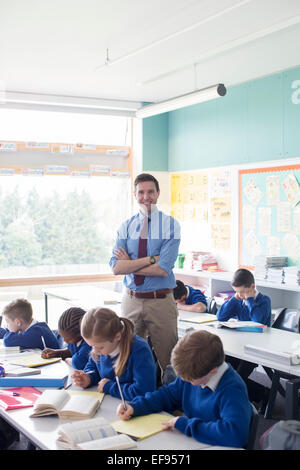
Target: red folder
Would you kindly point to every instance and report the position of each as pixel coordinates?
(25, 397)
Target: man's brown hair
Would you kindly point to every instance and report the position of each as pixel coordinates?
(19, 308)
(196, 354)
(143, 177)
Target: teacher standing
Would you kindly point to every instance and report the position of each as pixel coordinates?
(145, 252)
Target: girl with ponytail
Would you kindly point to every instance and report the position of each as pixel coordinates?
(116, 351)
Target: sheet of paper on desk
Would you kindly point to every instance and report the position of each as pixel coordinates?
(141, 427)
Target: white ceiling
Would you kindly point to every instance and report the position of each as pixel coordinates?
(157, 49)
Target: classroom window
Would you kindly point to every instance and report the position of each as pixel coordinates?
(56, 224)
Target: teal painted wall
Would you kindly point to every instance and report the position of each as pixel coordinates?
(255, 121)
(155, 143)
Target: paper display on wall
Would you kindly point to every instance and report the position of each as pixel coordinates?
(264, 221)
(220, 209)
(292, 246)
(252, 244)
(291, 188)
(249, 217)
(221, 183)
(273, 190)
(252, 192)
(284, 217)
(220, 237)
(273, 246)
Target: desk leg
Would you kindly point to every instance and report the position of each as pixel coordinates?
(46, 307)
(291, 399)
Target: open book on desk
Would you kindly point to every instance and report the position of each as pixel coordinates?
(92, 434)
(12, 370)
(66, 405)
(237, 325)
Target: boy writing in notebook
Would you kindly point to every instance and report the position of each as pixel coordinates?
(247, 304)
(211, 394)
(23, 330)
(188, 298)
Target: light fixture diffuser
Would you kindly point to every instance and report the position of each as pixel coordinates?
(189, 99)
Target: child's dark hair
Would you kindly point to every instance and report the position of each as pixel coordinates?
(70, 320)
(242, 277)
(104, 324)
(19, 308)
(179, 290)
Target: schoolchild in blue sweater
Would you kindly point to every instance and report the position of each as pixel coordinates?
(77, 352)
(247, 304)
(211, 394)
(188, 298)
(117, 351)
(23, 330)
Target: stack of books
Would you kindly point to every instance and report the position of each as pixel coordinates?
(270, 268)
(202, 260)
(291, 276)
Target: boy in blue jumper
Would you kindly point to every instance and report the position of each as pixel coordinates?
(188, 298)
(23, 330)
(77, 351)
(247, 304)
(211, 394)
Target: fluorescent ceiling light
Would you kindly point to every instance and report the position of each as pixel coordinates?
(189, 99)
(68, 103)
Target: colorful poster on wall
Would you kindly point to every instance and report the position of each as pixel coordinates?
(220, 209)
(220, 237)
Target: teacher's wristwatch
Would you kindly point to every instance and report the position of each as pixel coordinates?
(152, 260)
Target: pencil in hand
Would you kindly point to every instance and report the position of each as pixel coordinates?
(121, 394)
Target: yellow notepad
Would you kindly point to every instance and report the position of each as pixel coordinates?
(141, 427)
(33, 360)
(206, 317)
(98, 395)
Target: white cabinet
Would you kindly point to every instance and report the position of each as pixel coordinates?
(281, 295)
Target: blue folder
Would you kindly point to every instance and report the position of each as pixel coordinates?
(33, 381)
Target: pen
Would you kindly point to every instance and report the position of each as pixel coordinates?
(43, 341)
(122, 398)
(6, 392)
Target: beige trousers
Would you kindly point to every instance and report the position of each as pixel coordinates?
(158, 317)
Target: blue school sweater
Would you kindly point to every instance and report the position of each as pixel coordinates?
(80, 354)
(138, 377)
(253, 309)
(195, 296)
(30, 338)
(220, 417)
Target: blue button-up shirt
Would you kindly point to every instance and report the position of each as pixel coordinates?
(163, 240)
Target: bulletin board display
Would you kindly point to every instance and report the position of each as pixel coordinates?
(201, 202)
(269, 214)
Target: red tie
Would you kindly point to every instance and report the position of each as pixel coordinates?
(142, 251)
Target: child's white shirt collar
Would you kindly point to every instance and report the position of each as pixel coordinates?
(115, 352)
(215, 379)
(31, 324)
